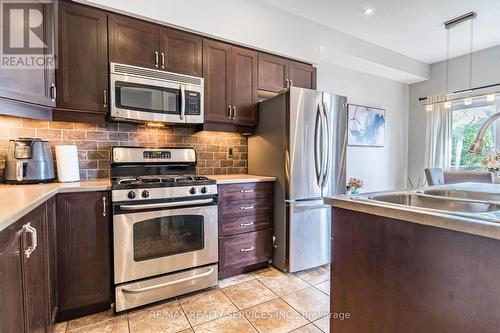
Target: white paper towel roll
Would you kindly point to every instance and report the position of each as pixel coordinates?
(67, 163)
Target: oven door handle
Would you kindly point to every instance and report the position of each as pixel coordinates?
(167, 284)
(167, 204)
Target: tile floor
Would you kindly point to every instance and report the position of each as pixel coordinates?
(265, 301)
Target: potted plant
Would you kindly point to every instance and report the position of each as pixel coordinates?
(492, 163)
(353, 185)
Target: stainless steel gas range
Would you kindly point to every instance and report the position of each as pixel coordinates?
(164, 225)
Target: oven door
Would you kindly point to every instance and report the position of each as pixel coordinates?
(150, 243)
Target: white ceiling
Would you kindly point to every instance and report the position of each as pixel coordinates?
(411, 27)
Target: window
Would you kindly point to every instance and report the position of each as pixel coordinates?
(466, 121)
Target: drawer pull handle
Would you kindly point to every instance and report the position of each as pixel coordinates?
(246, 224)
(246, 191)
(246, 207)
(247, 250)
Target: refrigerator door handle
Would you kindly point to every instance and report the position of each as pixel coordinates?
(328, 150)
(318, 159)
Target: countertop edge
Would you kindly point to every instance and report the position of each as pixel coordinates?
(427, 218)
(238, 179)
(52, 190)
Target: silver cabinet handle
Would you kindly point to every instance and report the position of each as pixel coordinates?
(162, 60)
(105, 98)
(229, 111)
(234, 112)
(156, 59)
(53, 92)
(246, 191)
(246, 224)
(28, 229)
(246, 207)
(104, 207)
(166, 284)
(247, 250)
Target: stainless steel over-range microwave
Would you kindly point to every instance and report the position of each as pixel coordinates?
(147, 95)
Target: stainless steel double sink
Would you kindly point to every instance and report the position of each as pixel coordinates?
(480, 205)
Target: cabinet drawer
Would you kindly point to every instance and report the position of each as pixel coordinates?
(244, 191)
(234, 226)
(255, 207)
(245, 249)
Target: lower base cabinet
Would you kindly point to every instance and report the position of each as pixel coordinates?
(83, 254)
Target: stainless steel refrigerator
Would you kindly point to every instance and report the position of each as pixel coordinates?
(301, 139)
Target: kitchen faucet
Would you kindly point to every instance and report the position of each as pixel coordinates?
(478, 145)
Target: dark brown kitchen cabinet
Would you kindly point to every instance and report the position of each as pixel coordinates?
(230, 75)
(133, 42)
(83, 254)
(82, 73)
(181, 52)
(30, 85)
(277, 73)
(245, 227)
(25, 274)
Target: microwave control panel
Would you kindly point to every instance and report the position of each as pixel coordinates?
(193, 103)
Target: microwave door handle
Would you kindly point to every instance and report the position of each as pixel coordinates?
(167, 204)
(183, 101)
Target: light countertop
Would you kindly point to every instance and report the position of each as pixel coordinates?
(235, 179)
(439, 219)
(18, 200)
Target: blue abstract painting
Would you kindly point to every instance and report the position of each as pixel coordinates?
(366, 126)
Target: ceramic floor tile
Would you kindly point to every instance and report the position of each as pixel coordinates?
(324, 287)
(189, 330)
(247, 294)
(89, 320)
(268, 271)
(60, 327)
(284, 283)
(314, 275)
(235, 322)
(274, 316)
(310, 302)
(168, 319)
(309, 328)
(114, 325)
(327, 266)
(323, 324)
(231, 281)
(207, 305)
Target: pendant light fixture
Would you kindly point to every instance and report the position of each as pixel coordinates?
(449, 25)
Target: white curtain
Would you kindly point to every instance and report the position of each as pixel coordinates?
(438, 134)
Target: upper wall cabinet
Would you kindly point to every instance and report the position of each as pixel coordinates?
(82, 73)
(133, 42)
(143, 44)
(30, 85)
(181, 52)
(277, 73)
(230, 75)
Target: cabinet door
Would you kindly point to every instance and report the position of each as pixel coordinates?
(302, 75)
(83, 250)
(133, 42)
(244, 86)
(82, 74)
(11, 287)
(218, 86)
(181, 52)
(32, 85)
(36, 273)
(273, 72)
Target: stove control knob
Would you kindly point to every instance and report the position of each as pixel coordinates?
(192, 190)
(145, 194)
(204, 190)
(131, 195)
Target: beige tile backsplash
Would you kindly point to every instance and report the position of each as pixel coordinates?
(94, 143)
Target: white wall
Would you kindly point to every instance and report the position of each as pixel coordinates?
(381, 168)
(486, 71)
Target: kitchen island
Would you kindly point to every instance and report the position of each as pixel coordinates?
(402, 268)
